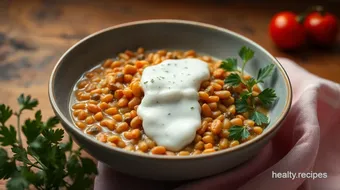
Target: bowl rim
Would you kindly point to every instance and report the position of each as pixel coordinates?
(71, 127)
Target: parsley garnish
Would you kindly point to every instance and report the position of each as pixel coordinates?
(264, 73)
(241, 105)
(233, 79)
(259, 118)
(246, 54)
(238, 132)
(246, 101)
(229, 64)
(46, 162)
(267, 96)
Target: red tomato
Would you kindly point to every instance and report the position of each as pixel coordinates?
(321, 29)
(286, 31)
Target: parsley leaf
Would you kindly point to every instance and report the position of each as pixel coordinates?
(38, 117)
(20, 154)
(267, 96)
(246, 54)
(241, 105)
(45, 163)
(26, 103)
(238, 132)
(233, 79)
(66, 146)
(17, 183)
(5, 113)
(251, 82)
(7, 169)
(38, 143)
(3, 156)
(259, 118)
(88, 166)
(51, 122)
(229, 64)
(264, 73)
(245, 95)
(31, 129)
(30, 176)
(73, 166)
(53, 136)
(8, 136)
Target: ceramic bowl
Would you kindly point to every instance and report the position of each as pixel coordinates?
(165, 34)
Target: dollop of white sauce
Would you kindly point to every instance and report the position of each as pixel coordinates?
(170, 109)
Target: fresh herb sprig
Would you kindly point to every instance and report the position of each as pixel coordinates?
(246, 100)
(46, 162)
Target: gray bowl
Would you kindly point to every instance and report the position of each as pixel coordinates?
(165, 34)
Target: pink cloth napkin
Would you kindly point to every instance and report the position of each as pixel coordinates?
(308, 141)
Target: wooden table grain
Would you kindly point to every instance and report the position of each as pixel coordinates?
(34, 34)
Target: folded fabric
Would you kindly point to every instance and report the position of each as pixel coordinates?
(307, 142)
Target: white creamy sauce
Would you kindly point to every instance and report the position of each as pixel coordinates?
(170, 108)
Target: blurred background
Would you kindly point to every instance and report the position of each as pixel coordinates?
(35, 33)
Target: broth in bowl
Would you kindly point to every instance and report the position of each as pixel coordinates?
(167, 103)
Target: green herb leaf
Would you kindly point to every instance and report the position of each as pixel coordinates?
(238, 132)
(8, 136)
(66, 146)
(20, 154)
(241, 105)
(38, 143)
(267, 96)
(251, 82)
(53, 136)
(3, 157)
(246, 54)
(51, 156)
(7, 169)
(31, 129)
(26, 103)
(30, 176)
(38, 117)
(245, 95)
(233, 79)
(229, 64)
(259, 118)
(73, 166)
(51, 122)
(5, 113)
(264, 73)
(17, 183)
(89, 166)
(48, 166)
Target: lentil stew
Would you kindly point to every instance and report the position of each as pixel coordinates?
(107, 98)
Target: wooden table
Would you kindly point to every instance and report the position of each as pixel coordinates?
(34, 34)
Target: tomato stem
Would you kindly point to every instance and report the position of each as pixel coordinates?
(318, 8)
(301, 18)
